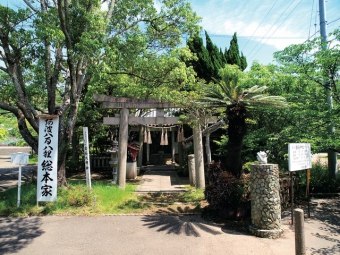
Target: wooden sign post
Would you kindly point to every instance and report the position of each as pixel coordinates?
(299, 158)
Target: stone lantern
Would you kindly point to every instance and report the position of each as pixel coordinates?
(114, 160)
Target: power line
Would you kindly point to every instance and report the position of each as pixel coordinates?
(271, 27)
(276, 29)
(260, 24)
(310, 22)
(247, 36)
(333, 21)
(315, 24)
(257, 37)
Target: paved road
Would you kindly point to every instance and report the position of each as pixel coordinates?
(9, 174)
(162, 234)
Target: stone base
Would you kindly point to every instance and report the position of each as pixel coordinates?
(271, 233)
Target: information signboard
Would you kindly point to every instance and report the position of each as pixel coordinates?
(299, 156)
(19, 158)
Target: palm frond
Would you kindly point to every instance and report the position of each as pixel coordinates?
(228, 91)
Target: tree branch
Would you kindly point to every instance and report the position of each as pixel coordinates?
(63, 22)
(31, 6)
(109, 13)
(131, 74)
(127, 28)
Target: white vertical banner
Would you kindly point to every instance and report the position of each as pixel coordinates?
(47, 176)
(87, 157)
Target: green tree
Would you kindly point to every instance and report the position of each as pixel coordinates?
(202, 64)
(320, 68)
(210, 59)
(237, 100)
(54, 52)
(233, 54)
(215, 55)
(304, 121)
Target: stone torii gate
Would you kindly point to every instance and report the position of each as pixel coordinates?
(124, 120)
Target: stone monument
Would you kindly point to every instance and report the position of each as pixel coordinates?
(265, 200)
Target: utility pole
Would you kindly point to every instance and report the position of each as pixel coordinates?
(332, 155)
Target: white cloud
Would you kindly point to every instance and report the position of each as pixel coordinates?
(157, 5)
(280, 26)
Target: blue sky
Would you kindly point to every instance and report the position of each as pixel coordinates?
(266, 26)
(263, 27)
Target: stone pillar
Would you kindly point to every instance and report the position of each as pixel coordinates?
(122, 151)
(265, 201)
(191, 166)
(199, 161)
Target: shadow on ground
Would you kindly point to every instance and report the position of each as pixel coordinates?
(327, 211)
(180, 225)
(17, 233)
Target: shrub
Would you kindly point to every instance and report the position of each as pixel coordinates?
(226, 193)
(79, 195)
(319, 179)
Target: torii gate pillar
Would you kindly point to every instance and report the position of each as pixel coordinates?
(125, 104)
(122, 152)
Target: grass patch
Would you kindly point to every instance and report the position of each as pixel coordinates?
(103, 198)
(33, 159)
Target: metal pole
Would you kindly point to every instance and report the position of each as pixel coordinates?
(19, 186)
(332, 156)
(323, 27)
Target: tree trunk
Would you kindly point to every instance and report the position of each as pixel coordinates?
(62, 166)
(26, 134)
(65, 138)
(236, 132)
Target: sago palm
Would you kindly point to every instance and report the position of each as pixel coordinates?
(236, 102)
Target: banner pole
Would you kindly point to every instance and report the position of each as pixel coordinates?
(19, 186)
